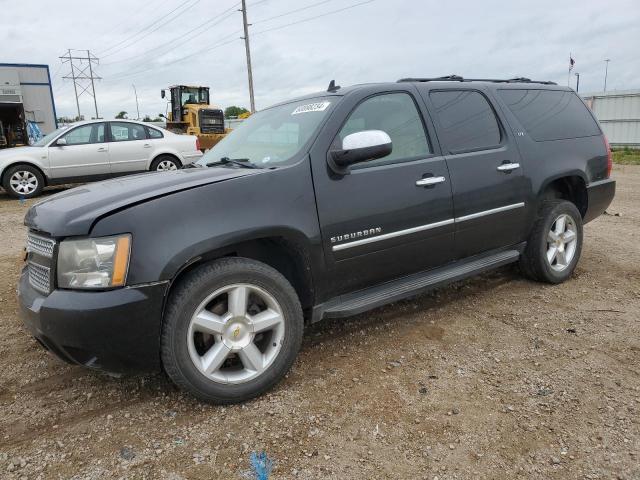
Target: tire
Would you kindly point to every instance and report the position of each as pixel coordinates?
(185, 344)
(23, 181)
(165, 162)
(534, 262)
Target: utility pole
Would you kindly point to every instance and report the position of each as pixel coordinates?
(82, 76)
(248, 50)
(137, 107)
(577, 82)
(606, 71)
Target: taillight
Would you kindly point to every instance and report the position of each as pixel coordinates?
(609, 156)
(198, 143)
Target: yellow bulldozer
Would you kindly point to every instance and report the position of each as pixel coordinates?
(192, 114)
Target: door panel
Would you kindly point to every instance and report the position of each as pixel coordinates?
(129, 149)
(489, 188)
(377, 223)
(86, 153)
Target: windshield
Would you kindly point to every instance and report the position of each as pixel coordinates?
(47, 138)
(194, 95)
(272, 137)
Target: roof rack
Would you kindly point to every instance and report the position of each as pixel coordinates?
(458, 78)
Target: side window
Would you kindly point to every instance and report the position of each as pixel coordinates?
(466, 120)
(124, 131)
(153, 133)
(92, 133)
(550, 114)
(397, 115)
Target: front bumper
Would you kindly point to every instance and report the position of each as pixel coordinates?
(117, 331)
(600, 194)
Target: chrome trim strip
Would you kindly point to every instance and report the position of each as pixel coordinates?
(428, 226)
(398, 233)
(471, 216)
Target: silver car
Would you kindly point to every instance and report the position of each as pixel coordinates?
(93, 150)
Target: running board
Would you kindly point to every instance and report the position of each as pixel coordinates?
(367, 299)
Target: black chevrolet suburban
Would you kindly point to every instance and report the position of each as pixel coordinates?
(319, 207)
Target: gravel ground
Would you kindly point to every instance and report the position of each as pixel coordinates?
(495, 377)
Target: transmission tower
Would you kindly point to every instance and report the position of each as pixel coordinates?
(82, 75)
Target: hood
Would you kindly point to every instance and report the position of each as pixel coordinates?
(13, 152)
(74, 211)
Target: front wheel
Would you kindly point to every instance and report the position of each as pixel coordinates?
(23, 181)
(232, 330)
(555, 244)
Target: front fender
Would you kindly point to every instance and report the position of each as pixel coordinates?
(42, 166)
(172, 231)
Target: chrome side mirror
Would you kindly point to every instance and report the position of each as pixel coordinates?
(360, 147)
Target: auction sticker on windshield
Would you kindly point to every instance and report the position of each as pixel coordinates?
(311, 107)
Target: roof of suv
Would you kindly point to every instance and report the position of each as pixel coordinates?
(449, 81)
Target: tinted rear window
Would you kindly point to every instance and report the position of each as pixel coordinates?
(466, 120)
(550, 114)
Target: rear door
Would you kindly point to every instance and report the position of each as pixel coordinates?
(378, 222)
(129, 150)
(489, 188)
(86, 154)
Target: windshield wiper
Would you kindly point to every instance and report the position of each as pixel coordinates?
(192, 165)
(241, 162)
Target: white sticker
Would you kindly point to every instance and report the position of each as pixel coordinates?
(311, 107)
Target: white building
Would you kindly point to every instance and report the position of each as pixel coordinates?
(25, 95)
(618, 112)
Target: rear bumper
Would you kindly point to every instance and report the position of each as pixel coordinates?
(190, 157)
(600, 194)
(117, 331)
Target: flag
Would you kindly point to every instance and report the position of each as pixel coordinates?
(571, 62)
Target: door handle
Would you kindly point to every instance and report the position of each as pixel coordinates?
(146, 145)
(102, 149)
(507, 167)
(428, 181)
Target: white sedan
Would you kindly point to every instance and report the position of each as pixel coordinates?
(93, 150)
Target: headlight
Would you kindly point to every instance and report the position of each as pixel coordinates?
(94, 262)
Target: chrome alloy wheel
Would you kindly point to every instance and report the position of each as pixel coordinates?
(23, 182)
(165, 165)
(562, 241)
(235, 333)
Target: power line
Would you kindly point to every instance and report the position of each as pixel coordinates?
(291, 12)
(221, 42)
(133, 15)
(155, 49)
(149, 26)
(125, 74)
(308, 19)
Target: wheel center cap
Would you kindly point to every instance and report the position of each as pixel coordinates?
(238, 333)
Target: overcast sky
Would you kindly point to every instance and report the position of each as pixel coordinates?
(141, 42)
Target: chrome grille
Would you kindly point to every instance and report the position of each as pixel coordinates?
(43, 246)
(40, 277)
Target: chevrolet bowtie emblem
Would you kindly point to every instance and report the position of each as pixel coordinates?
(236, 332)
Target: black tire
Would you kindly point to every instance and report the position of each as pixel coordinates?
(31, 172)
(191, 292)
(163, 159)
(533, 261)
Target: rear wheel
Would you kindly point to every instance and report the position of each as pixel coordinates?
(555, 244)
(23, 181)
(232, 330)
(164, 163)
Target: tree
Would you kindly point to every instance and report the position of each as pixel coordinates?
(233, 111)
(122, 115)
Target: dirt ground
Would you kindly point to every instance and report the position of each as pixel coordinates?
(495, 377)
